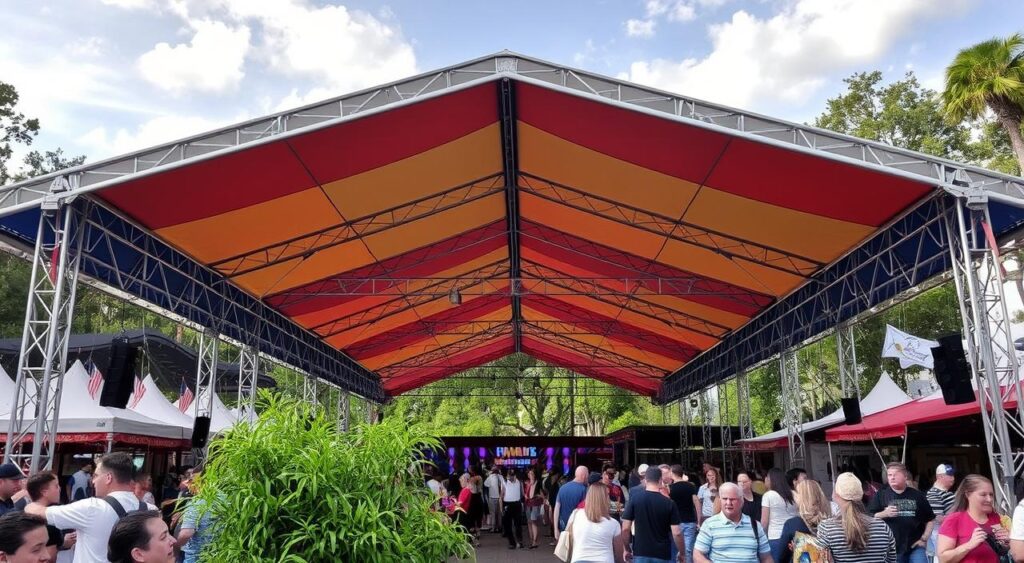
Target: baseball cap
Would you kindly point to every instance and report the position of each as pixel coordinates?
(642, 469)
(594, 478)
(945, 469)
(848, 487)
(10, 471)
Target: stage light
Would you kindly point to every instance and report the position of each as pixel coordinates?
(694, 403)
(455, 297)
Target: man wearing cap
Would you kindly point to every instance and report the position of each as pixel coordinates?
(569, 496)
(940, 498)
(11, 481)
(638, 487)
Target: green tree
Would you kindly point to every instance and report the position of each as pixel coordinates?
(15, 129)
(989, 76)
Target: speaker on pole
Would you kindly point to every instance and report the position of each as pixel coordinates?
(851, 410)
(200, 432)
(952, 371)
(119, 379)
(776, 425)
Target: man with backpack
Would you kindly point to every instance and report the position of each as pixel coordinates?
(731, 535)
(94, 518)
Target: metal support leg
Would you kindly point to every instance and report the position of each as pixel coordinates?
(723, 426)
(43, 357)
(684, 433)
(705, 424)
(371, 413)
(979, 284)
(345, 408)
(745, 421)
(248, 371)
(791, 408)
(206, 380)
(849, 377)
(309, 390)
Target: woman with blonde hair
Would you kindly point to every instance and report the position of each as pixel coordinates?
(596, 537)
(972, 533)
(461, 508)
(854, 536)
(813, 508)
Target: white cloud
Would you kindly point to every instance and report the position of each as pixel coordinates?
(211, 62)
(682, 12)
(789, 56)
(677, 11)
(102, 143)
(640, 28)
(87, 47)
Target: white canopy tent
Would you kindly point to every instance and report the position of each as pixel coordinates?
(885, 395)
(220, 419)
(154, 404)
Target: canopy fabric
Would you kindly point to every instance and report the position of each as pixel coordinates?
(220, 419)
(153, 404)
(893, 423)
(883, 396)
(418, 194)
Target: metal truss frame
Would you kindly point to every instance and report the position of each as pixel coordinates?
(707, 439)
(792, 411)
(684, 433)
(979, 284)
(344, 410)
(641, 369)
(248, 372)
(508, 65)
(849, 374)
(510, 162)
(910, 251)
(129, 259)
(725, 428)
(39, 382)
(310, 390)
(438, 357)
(308, 244)
(206, 382)
(720, 243)
(744, 419)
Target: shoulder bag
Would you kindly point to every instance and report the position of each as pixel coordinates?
(563, 550)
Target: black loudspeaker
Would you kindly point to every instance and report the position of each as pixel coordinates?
(952, 371)
(776, 425)
(851, 410)
(119, 379)
(200, 431)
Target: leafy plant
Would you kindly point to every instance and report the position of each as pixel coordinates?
(293, 489)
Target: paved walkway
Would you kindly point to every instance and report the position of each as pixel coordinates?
(494, 549)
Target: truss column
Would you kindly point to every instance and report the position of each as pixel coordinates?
(979, 284)
(371, 412)
(707, 440)
(48, 314)
(343, 410)
(248, 372)
(684, 433)
(792, 411)
(309, 390)
(723, 426)
(744, 419)
(206, 380)
(849, 376)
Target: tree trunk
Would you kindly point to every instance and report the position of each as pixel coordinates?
(1009, 116)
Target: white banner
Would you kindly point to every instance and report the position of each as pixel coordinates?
(908, 349)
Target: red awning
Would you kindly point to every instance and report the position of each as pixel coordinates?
(893, 423)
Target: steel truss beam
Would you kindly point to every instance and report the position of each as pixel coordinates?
(35, 407)
(803, 138)
(707, 439)
(676, 229)
(908, 252)
(206, 382)
(745, 421)
(642, 369)
(725, 428)
(685, 422)
(438, 357)
(130, 260)
(344, 410)
(443, 287)
(792, 410)
(248, 372)
(979, 283)
(849, 375)
(309, 244)
(510, 161)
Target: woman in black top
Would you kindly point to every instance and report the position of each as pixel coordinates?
(751, 500)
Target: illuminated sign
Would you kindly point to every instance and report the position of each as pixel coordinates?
(509, 456)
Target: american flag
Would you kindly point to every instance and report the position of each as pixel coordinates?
(95, 379)
(186, 397)
(140, 390)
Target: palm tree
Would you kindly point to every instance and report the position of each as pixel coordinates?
(989, 75)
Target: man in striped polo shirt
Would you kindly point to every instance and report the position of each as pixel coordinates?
(730, 536)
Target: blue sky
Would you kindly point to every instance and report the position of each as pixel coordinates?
(110, 76)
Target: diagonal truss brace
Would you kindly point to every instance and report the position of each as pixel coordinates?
(248, 372)
(206, 380)
(792, 412)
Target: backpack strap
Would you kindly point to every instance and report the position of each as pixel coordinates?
(121, 513)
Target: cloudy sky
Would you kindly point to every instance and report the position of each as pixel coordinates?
(109, 76)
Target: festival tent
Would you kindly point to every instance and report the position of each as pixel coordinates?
(894, 422)
(155, 405)
(220, 420)
(885, 395)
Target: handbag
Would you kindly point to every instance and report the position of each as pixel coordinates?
(563, 549)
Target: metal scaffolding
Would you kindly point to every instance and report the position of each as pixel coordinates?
(792, 411)
(849, 376)
(724, 427)
(310, 387)
(684, 432)
(979, 284)
(344, 411)
(43, 359)
(206, 381)
(707, 440)
(744, 419)
(248, 373)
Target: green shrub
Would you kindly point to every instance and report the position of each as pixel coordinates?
(293, 489)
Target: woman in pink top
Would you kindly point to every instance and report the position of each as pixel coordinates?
(972, 533)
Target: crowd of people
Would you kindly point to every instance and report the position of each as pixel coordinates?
(105, 512)
(662, 514)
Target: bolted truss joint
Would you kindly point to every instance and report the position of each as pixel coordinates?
(791, 406)
(248, 374)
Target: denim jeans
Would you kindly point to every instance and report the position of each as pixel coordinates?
(916, 555)
(650, 560)
(689, 530)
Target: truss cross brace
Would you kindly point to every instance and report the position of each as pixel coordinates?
(745, 421)
(792, 411)
(248, 372)
(44, 344)
(206, 380)
(684, 432)
(705, 424)
(723, 425)
(979, 284)
(310, 386)
(849, 377)
(344, 411)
